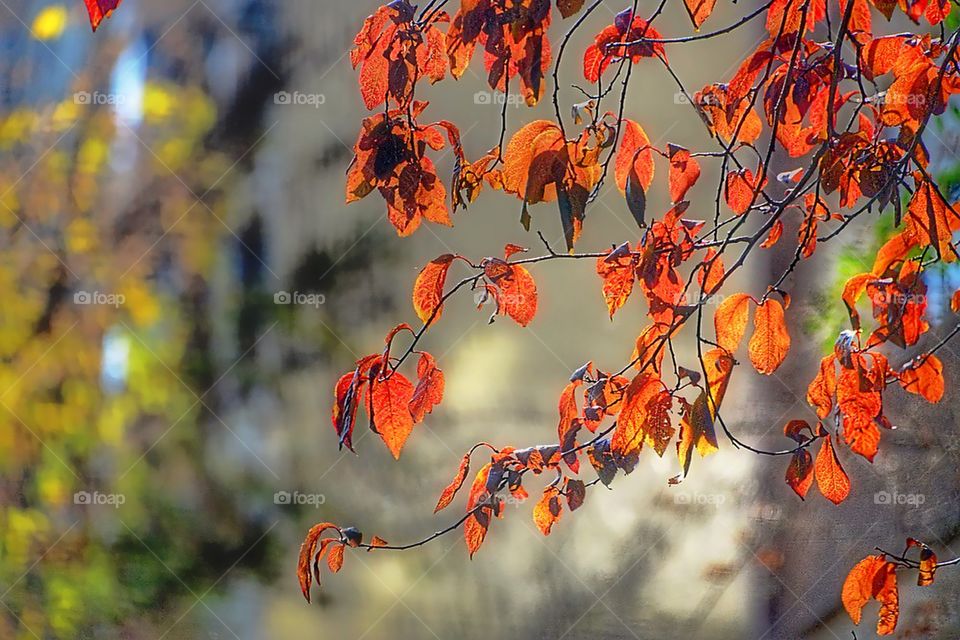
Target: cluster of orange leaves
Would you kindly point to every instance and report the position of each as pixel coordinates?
(875, 578)
(392, 402)
(789, 84)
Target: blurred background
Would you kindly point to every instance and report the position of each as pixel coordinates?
(183, 285)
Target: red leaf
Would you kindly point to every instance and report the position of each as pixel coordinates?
(634, 156)
(741, 190)
(100, 9)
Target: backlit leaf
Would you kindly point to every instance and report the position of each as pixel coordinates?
(450, 492)
(771, 341)
(730, 320)
(873, 578)
(392, 420)
(428, 288)
(832, 480)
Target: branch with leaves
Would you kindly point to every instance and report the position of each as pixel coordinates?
(822, 92)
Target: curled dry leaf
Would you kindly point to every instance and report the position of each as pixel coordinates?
(450, 492)
(429, 390)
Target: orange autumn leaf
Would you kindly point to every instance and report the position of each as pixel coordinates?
(924, 376)
(728, 115)
(376, 542)
(476, 525)
(100, 9)
(832, 480)
(711, 272)
(823, 388)
(428, 288)
(931, 221)
(928, 562)
(696, 432)
(547, 510)
(310, 551)
(516, 293)
(390, 401)
(776, 232)
(741, 189)
(450, 492)
(335, 557)
(600, 54)
(684, 172)
(873, 578)
(429, 390)
(699, 11)
(771, 341)
(730, 320)
(634, 157)
(618, 274)
(644, 417)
